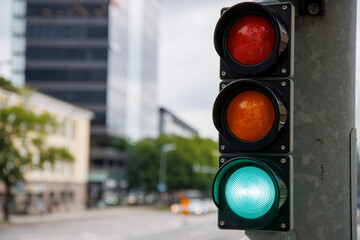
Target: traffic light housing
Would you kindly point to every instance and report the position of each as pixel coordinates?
(269, 53)
(262, 130)
(254, 192)
(253, 114)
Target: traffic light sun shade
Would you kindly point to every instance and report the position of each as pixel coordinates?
(250, 115)
(251, 40)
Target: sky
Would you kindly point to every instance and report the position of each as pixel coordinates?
(188, 66)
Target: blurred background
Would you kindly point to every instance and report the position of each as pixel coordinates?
(106, 119)
(105, 111)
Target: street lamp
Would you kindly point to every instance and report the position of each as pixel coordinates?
(162, 168)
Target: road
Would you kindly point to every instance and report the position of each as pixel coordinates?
(133, 223)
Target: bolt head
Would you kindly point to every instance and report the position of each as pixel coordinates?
(313, 8)
(283, 84)
(222, 223)
(223, 73)
(283, 71)
(284, 8)
(222, 147)
(283, 147)
(283, 160)
(283, 225)
(223, 85)
(222, 160)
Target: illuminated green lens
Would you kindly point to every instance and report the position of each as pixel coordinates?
(250, 192)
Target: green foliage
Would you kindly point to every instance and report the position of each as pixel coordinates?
(5, 84)
(143, 169)
(120, 143)
(22, 131)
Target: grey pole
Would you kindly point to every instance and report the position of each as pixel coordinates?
(162, 166)
(324, 84)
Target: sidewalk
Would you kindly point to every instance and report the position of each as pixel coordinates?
(66, 216)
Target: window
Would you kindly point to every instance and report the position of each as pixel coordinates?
(79, 96)
(87, 54)
(33, 75)
(59, 10)
(66, 32)
(100, 118)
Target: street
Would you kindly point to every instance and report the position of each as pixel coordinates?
(116, 224)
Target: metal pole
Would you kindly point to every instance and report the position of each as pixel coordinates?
(324, 85)
(162, 168)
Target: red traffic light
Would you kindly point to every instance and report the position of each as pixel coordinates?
(251, 40)
(255, 39)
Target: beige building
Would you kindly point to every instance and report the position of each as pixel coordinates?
(62, 186)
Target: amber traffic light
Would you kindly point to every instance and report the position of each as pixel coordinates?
(254, 116)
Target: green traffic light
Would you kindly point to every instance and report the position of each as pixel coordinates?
(250, 192)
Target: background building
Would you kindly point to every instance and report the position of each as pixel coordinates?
(171, 124)
(62, 186)
(97, 54)
(132, 68)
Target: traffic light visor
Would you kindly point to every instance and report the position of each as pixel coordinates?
(250, 115)
(251, 39)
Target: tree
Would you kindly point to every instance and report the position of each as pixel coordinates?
(143, 169)
(23, 146)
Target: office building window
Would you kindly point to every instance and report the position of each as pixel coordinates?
(79, 96)
(33, 75)
(66, 32)
(60, 10)
(87, 54)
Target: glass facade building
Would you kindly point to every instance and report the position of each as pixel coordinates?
(97, 54)
(133, 35)
(66, 52)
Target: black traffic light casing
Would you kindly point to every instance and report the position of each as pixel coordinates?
(261, 91)
(280, 63)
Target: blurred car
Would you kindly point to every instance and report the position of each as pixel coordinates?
(141, 198)
(111, 198)
(198, 203)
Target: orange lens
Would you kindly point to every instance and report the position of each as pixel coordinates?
(250, 115)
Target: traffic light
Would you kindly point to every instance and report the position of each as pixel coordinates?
(253, 113)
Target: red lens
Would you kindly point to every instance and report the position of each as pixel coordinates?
(251, 40)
